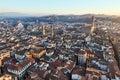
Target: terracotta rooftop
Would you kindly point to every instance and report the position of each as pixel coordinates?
(81, 52)
(6, 59)
(21, 52)
(95, 71)
(69, 65)
(37, 50)
(19, 66)
(79, 71)
(57, 63)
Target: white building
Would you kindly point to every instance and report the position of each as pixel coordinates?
(20, 68)
(82, 56)
(20, 27)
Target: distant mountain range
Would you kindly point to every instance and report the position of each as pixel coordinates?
(16, 14)
(59, 18)
(12, 14)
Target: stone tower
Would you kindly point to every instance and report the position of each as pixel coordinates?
(92, 27)
(43, 30)
(52, 31)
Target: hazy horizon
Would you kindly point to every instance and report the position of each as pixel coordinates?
(64, 7)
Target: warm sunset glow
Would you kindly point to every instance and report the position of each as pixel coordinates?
(109, 7)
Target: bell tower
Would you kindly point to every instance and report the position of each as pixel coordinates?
(92, 27)
(43, 30)
(52, 31)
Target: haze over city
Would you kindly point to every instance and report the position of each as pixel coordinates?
(59, 40)
(109, 7)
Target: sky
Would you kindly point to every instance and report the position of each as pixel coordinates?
(109, 7)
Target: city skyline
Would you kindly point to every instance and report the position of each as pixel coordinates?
(78, 7)
(59, 40)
